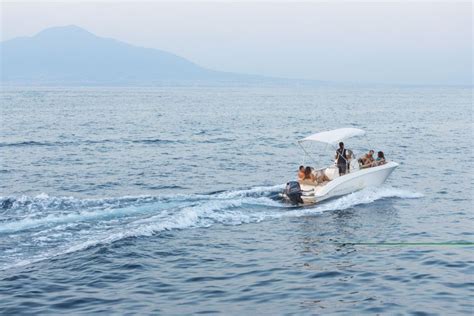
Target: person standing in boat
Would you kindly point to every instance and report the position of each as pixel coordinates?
(341, 159)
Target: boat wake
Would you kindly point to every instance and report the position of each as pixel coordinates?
(41, 227)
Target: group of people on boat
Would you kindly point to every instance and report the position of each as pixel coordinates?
(367, 160)
(343, 161)
(344, 158)
(306, 175)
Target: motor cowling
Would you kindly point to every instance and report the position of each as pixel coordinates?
(293, 192)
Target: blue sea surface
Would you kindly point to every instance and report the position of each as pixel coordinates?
(165, 201)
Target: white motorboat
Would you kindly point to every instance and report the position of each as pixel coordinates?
(355, 179)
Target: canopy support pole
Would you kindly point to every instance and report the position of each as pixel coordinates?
(306, 153)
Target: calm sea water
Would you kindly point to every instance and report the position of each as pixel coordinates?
(165, 200)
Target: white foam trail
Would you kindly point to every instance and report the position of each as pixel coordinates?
(209, 213)
(57, 219)
(226, 208)
(255, 191)
(43, 202)
(365, 196)
(202, 215)
(107, 208)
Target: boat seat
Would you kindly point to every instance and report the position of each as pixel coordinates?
(331, 172)
(307, 182)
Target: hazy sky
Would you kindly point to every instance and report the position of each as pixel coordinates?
(384, 42)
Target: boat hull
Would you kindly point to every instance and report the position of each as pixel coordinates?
(349, 183)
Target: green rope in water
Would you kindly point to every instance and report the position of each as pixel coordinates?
(441, 244)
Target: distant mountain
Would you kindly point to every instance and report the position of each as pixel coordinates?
(70, 55)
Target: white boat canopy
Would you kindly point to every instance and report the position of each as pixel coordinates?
(335, 136)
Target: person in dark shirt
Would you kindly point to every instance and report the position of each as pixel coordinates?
(341, 159)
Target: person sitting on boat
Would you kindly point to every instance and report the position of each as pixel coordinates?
(308, 174)
(341, 159)
(308, 177)
(380, 160)
(301, 173)
(366, 160)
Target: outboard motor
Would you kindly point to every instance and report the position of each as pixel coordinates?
(293, 192)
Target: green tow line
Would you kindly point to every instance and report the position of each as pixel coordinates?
(410, 244)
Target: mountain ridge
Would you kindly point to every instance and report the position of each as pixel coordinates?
(71, 55)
